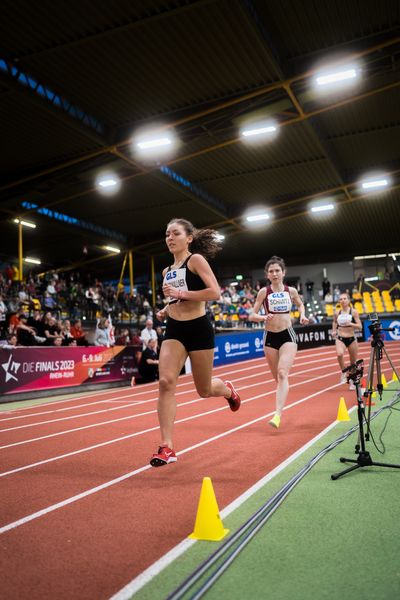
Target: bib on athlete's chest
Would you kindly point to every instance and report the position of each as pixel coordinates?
(279, 302)
(344, 319)
(177, 279)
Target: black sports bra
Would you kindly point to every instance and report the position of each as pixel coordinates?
(183, 279)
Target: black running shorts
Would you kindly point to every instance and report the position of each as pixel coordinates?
(196, 334)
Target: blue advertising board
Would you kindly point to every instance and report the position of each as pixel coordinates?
(232, 347)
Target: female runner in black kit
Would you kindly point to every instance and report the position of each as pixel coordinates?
(189, 283)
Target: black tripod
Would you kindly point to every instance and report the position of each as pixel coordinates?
(377, 350)
(364, 458)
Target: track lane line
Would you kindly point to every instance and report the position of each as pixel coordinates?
(112, 482)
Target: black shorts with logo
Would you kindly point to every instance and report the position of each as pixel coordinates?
(347, 341)
(196, 334)
(277, 339)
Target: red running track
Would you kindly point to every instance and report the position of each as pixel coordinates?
(82, 513)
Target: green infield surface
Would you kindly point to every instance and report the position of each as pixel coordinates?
(327, 539)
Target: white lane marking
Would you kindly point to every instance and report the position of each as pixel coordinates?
(112, 482)
(162, 563)
(134, 416)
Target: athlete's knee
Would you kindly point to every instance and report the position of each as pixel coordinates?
(283, 373)
(166, 383)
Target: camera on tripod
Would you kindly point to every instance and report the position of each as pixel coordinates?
(375, 327)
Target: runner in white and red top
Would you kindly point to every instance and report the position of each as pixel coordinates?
(280, 342)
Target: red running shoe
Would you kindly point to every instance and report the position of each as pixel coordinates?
(164, 456)
(234, 400)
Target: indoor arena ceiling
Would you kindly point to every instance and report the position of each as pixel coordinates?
(78, 81)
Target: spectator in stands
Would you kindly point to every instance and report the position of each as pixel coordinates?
(280, 346)
(25, 334)
(102, 334)
(336, 294)
(78, 334)
(148, 366)
(345, 323)
(148, 333)
(9, 343)
(66, 332)
(122, 337)
(3, 315)
(309, 290)
(51, 331)
(326, 288)
(57, 341)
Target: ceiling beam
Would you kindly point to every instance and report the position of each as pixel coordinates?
(263, 90)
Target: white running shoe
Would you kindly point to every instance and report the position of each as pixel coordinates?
(343, 378)
(352, 387)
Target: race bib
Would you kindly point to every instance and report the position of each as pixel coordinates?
(344, 319)
(177, 279)
(279, 302)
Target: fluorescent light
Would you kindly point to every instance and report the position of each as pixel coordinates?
(112, 249)
(260, 130)
(106, 183)
(219, 237)
(370, 256)
(34, 261)
(328, 78)
(239, 277)
(26, 223)
(371, 278)
(258, 218)
(322, 208)
(375, 183)
(154, 143)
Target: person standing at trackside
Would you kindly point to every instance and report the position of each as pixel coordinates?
(188, 284)
(345, 322)
(280, 342)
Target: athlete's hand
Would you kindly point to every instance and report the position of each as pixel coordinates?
(169, 291)
(269, 317)
(304, 321)
(161, 314)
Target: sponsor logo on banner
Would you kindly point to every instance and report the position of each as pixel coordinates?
(11, 368)
(394, 335)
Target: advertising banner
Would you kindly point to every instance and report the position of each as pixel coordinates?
(26, 369)
(232, 347)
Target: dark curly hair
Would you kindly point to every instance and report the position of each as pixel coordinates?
(204, 242)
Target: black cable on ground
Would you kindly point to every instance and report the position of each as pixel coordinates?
(249, 529)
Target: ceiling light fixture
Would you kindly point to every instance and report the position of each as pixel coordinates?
(374, 184)
(112, 249)
(34, 261)
(339, 76)
(259, 130)
(258, 218)
(25, 223)
(322, 208)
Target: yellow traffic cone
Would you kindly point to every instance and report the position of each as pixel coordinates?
(342, 414)
(208, 524)
(394, 378)
(384, 382)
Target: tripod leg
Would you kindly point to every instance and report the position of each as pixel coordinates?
(391, 364)
(337, 475)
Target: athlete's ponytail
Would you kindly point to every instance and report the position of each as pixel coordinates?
(205, 241)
